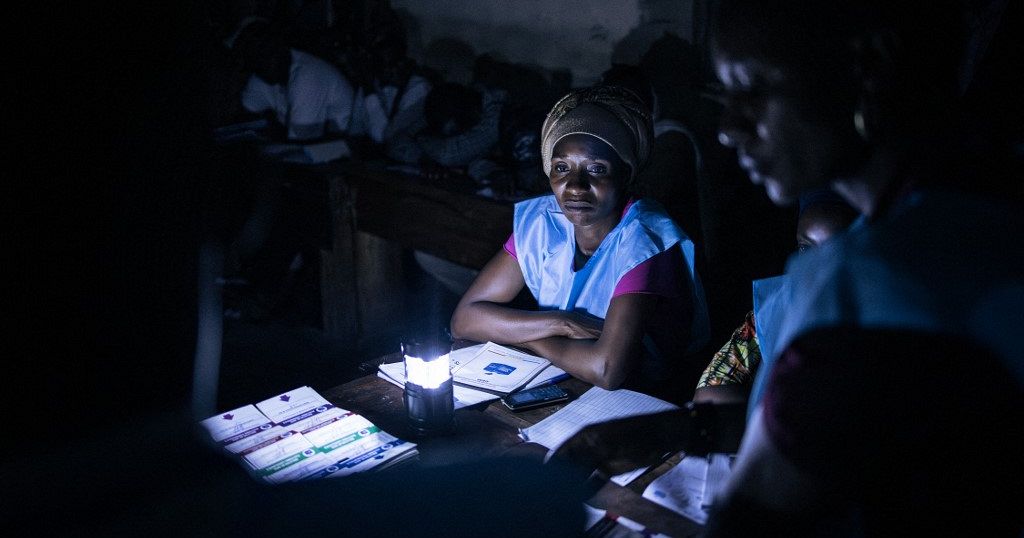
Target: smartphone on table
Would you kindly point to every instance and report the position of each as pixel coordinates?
(535, 397)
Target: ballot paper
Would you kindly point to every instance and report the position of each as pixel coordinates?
(277, 457)
(497, 368)
(294, 406)
(354, 445)
(299, 435)
(690, 487)
(237, 424)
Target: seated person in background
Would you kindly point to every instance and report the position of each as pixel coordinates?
(307, 96)
(454, 138)
(739, 370)
(530, 96)
(671, 176)
(391, 96)
(613, 275)
(459, 125)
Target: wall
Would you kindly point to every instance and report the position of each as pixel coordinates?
(582, 35)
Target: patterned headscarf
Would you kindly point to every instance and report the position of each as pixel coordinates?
(612, 114)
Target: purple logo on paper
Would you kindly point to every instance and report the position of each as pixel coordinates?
(285, 397)
(228, 416)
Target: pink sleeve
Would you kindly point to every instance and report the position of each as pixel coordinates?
(661, 275)
(510, 246)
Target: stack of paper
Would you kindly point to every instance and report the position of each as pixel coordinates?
(299, 435)
(466, 396)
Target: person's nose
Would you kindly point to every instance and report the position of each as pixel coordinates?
(735, 127)
(577, 181)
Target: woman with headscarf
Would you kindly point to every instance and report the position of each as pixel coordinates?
(612, 274)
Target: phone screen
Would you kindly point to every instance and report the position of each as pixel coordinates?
(536, 395)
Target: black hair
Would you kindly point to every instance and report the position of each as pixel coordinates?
(451, 102)
(632, 78)
(821, 44)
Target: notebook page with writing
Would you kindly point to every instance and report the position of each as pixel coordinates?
(596, 405)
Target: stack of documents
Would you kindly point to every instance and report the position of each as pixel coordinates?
(486, 372)
(299, 435)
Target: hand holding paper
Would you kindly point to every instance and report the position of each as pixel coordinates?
(624, 444)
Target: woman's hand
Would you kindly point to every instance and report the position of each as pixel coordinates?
(621, 445)
(579, 326)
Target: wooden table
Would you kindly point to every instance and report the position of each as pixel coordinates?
(375, 213)
(488, 430)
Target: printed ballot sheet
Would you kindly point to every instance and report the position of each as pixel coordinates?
(691, 486)
(497, 368)
(299, 435)
(596, 405)
(294, 406)
(237, 424)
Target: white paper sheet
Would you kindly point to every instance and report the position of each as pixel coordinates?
(690, 487)
(293, 405)
(497, 368)
(596, 405)
(234, 425)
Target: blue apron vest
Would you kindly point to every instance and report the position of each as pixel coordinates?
(940, 262)
(769, 311)
(546, 247)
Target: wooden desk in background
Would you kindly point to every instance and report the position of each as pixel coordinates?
(376, 213)
(488, 430)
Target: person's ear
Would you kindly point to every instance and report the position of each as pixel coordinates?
(874, 71)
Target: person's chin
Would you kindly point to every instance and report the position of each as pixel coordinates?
(578, 215)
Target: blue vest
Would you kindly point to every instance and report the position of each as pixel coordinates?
(546, 248)
(769, 311)
(940, 262)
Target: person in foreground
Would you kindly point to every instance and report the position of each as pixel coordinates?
(613, 275)
(739, 370)
(896, 405)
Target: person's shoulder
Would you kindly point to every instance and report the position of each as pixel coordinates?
(539, 203)
(652, 219)
(418, 82)
(540, 217)
(314, 66)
